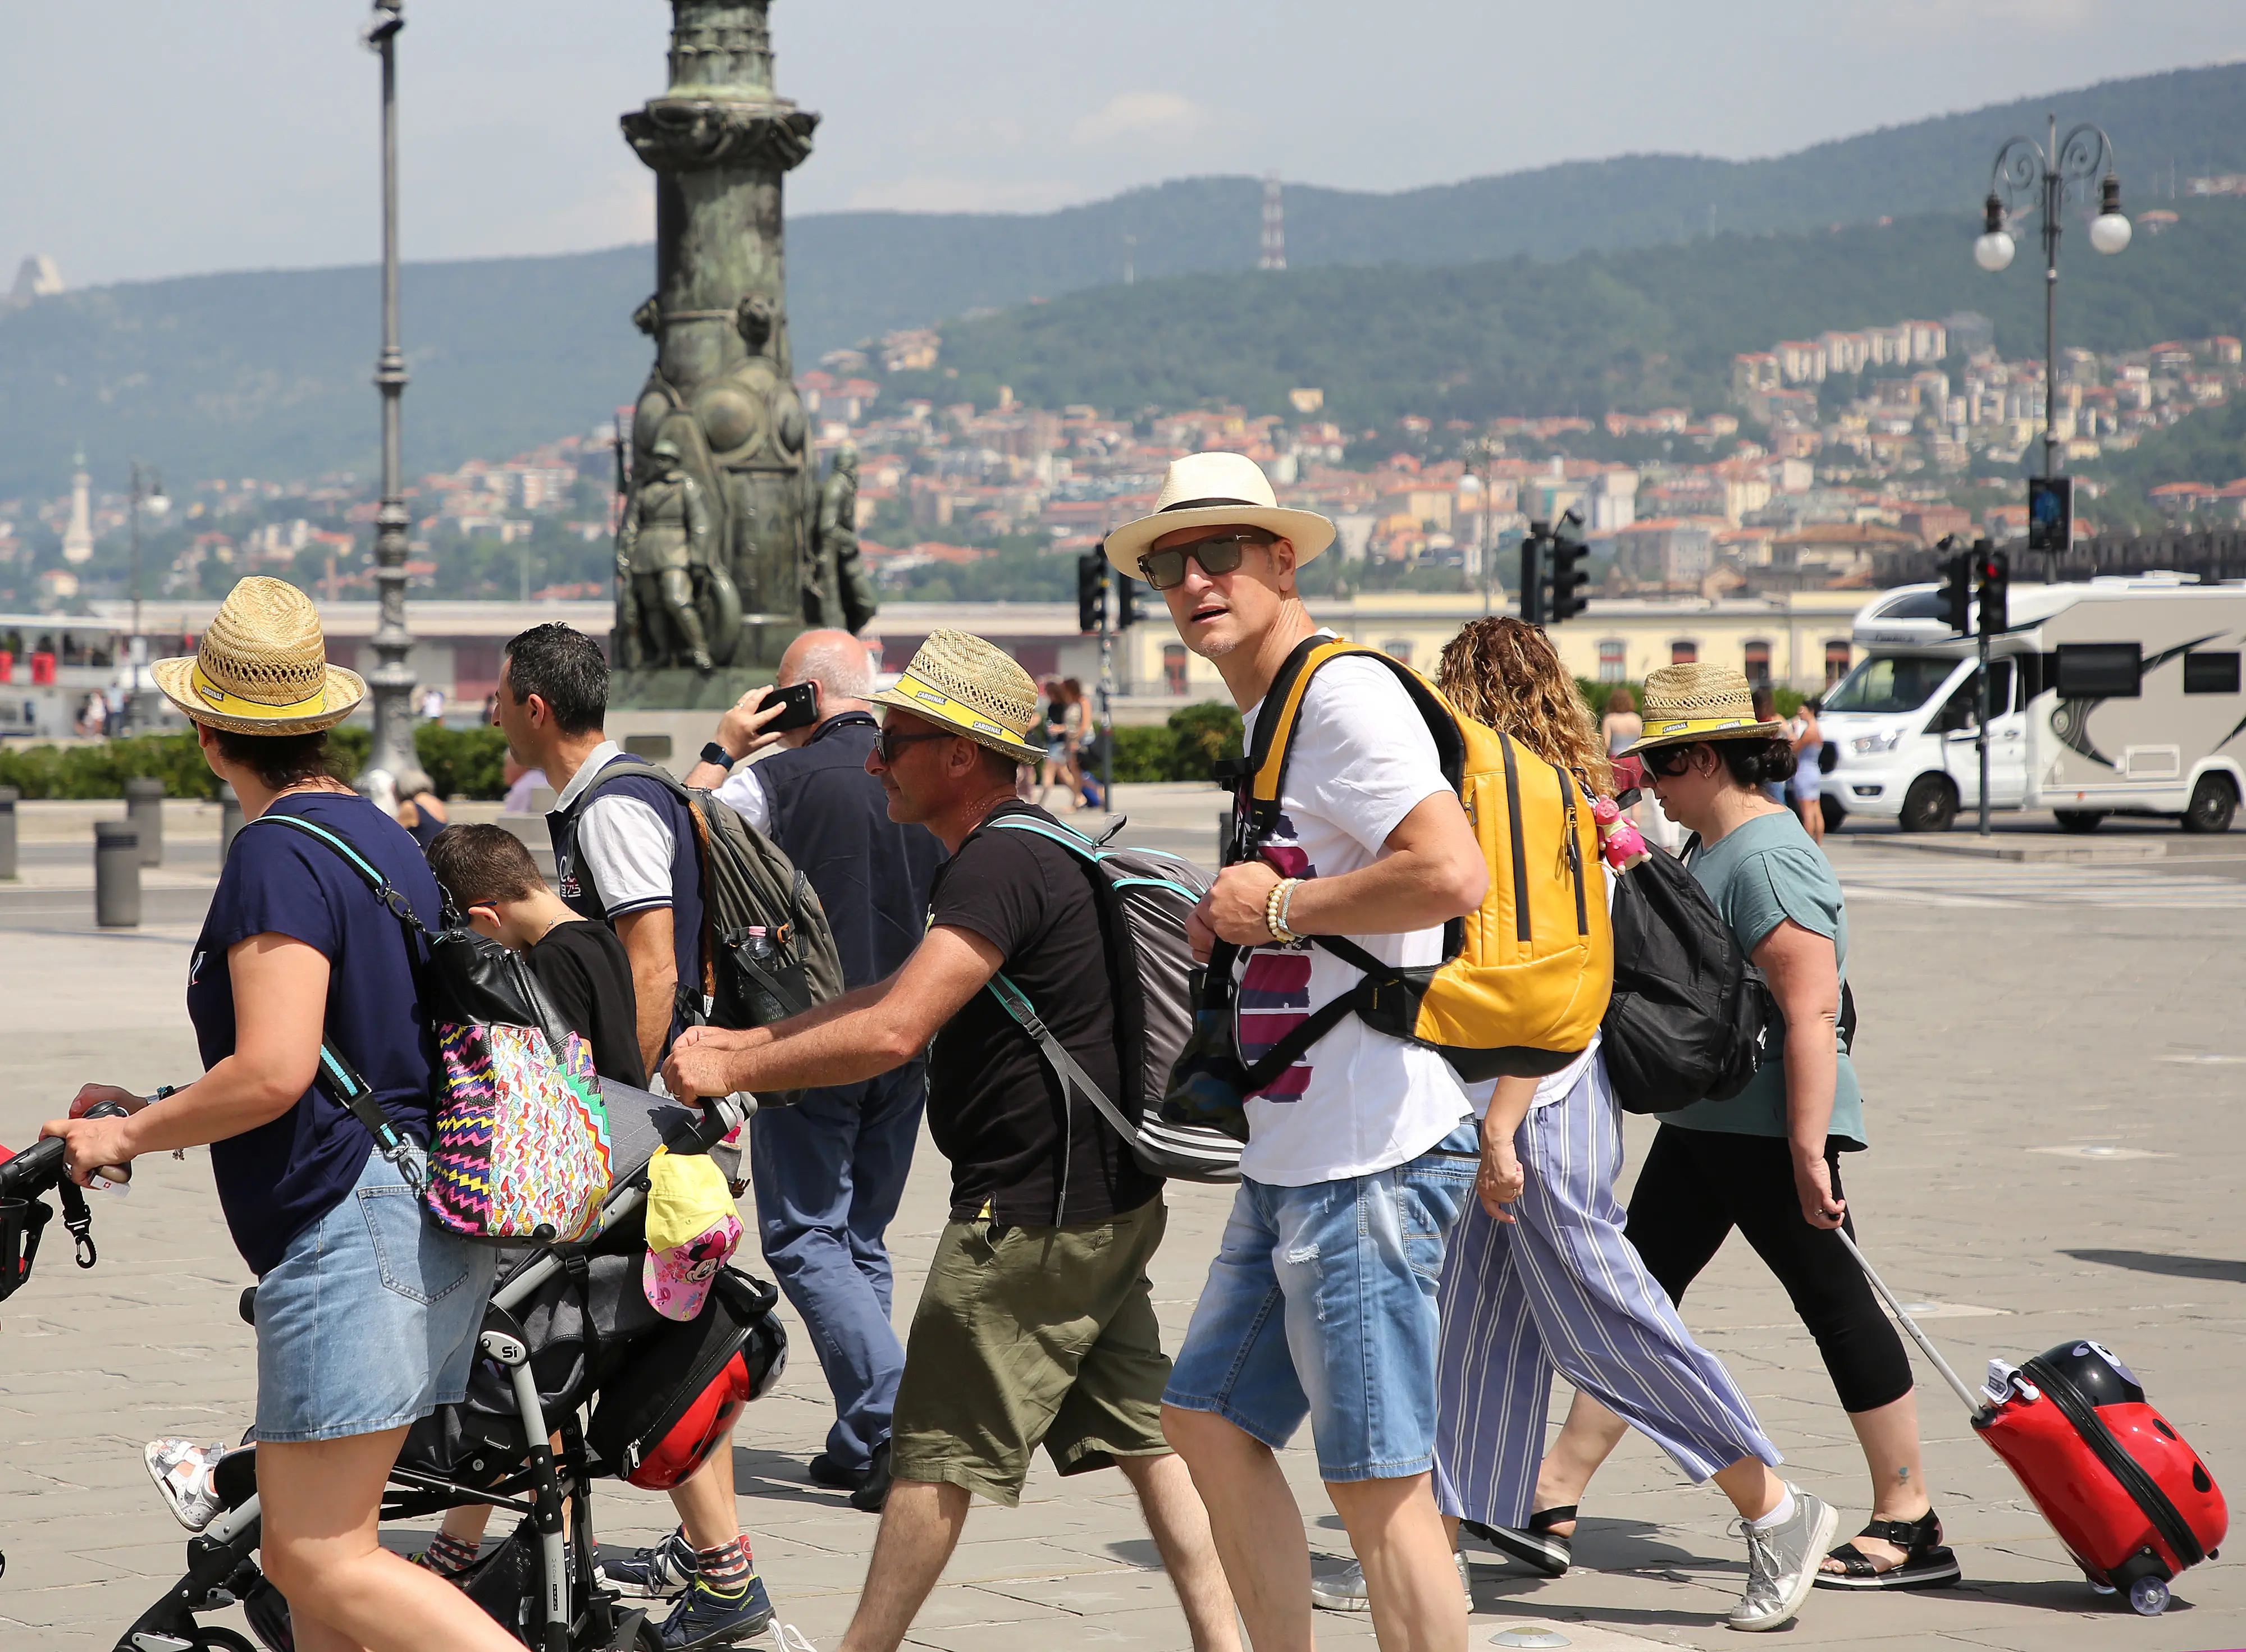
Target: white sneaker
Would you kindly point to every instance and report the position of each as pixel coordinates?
(1782, 1562)
(1343, 1590)
(181, 1470)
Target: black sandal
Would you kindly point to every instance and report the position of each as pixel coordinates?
(1536, 1545)
(1925, 1564)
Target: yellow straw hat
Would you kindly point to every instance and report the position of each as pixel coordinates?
(1687, 703)
(262, 667)
(964, 684)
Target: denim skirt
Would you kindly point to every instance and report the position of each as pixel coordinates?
(369, 1321)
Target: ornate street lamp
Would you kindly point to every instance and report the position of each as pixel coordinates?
(2029, 178)
(391, 680)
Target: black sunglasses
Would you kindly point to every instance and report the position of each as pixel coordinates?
(1219, 554)
(887, 745)
(1669, 761)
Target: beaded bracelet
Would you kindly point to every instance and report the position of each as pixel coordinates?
(1274, 906)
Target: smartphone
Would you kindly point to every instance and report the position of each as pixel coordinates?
(802, 700)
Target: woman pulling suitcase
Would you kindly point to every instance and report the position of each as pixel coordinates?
(1540, 1275)
(1766, 1161)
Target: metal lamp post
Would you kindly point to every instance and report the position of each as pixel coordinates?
(391, 680)
(2029, 177)
(148, 493)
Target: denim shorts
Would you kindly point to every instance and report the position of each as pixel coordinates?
(1321, 1303)
(369, 1320)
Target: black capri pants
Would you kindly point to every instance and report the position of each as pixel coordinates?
(1697, 1184)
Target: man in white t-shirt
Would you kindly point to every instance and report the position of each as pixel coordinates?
(1321, 1302)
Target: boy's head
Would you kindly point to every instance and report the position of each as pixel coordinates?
(487, 871)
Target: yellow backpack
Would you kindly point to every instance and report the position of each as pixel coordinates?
(1525, 979)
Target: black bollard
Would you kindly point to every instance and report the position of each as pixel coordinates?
(144, 806)
(116, 874)
(229, 820)
(8, 794)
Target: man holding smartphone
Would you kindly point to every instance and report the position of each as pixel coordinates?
(829, 1171)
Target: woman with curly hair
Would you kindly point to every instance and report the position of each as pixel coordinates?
(1541, 1275)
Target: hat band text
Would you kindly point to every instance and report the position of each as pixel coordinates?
(956, 712)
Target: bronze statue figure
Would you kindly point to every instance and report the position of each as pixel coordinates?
(838, 590)
(673, 601)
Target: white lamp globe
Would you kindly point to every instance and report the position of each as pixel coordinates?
(1994, 250)
(2109, 232)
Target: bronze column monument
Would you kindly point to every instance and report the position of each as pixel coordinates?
(720, 140)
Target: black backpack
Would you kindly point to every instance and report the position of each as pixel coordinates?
(1688, 1016)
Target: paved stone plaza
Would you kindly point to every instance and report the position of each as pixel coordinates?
(2055, 1067)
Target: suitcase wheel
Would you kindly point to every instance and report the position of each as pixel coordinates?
(2149, 1597)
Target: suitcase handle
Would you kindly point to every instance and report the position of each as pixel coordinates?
(1975, 1405)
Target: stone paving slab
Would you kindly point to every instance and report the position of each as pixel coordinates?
(1987, 1033)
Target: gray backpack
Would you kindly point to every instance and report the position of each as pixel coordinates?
(767, 952)
(1143, 897)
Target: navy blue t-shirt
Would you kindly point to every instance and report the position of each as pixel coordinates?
(276, 1181)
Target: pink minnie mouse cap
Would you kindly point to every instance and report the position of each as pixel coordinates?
(692, 1231)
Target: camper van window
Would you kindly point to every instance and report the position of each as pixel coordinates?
(2210, 673)
(1962, 709)
(2099, 671)
(1890, 683)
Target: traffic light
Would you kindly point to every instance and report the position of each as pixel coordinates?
(1994, 571)
(1568, 576)
(1532, 572)
(1092, 591)
(2051, 513)
(1126, 601)
(1957, 590)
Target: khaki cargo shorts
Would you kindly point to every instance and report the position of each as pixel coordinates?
(1029, 1335)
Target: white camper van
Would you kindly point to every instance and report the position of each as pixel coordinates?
(2117, 696)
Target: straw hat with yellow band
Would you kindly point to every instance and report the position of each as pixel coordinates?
(972, 687)
(262, 667)
(1683, 704)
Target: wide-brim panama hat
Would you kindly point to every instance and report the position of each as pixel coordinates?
(1683, 704)
(1215, 490)
(262, 667)
(972, 687)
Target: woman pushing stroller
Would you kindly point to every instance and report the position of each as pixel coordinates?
(367, 1314)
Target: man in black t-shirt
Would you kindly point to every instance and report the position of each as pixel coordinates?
(1036, 1325)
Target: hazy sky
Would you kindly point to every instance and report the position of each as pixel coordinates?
(161, 137)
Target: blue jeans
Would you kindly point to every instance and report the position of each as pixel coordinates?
(828, 1172)
(1321, 1303)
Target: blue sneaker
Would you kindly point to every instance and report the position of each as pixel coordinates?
(712, 1617)
(661, 1573)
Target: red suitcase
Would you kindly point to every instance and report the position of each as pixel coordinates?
(2124, 1491)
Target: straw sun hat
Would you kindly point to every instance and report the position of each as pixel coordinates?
(972, 687)
(1215, 490)
(262, 667)
(1687, 703)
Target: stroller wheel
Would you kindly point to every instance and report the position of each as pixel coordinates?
(212, 1638)
(2149, 1597)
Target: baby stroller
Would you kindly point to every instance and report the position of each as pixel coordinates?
(568, 1331)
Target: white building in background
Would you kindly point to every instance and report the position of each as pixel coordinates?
(78, 537)
(36, 277)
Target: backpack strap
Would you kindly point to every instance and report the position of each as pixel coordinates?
(344, 1081)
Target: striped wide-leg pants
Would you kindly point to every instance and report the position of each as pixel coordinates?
(1560, 1287)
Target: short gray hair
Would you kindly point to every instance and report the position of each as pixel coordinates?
(834, 660)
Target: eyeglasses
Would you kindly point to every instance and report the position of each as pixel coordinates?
(890, 741)
(1219, 554)
(1669, 761)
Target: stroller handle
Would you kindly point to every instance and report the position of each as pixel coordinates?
(34, 1171)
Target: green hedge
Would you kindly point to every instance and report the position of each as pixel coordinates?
(462, 762)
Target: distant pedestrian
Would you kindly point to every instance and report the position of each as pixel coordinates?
(1053, 714)
(522, 780)
(1808, 768)
(420, 810)
(433, 704)
(830, 1171)
(1768, 1160)
(1777, 789)
(1621, 725)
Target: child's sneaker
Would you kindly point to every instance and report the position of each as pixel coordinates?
(181, 1470)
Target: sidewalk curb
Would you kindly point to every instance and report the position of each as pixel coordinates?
(2008, 848)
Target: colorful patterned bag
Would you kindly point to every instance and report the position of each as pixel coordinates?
(522, 1147)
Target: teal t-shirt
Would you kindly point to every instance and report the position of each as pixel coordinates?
(1761, 874)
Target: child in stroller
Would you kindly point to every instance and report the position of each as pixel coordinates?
(569, 1328)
